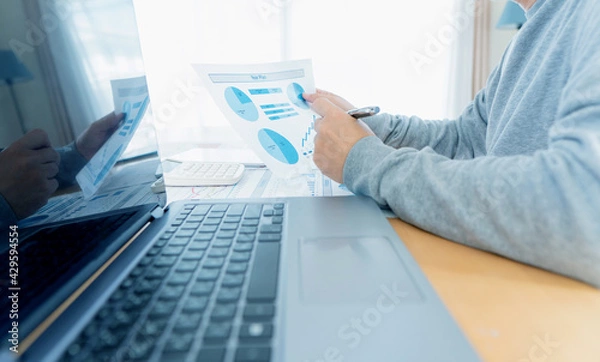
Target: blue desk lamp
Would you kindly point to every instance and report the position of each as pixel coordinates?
(513, 17)
(13, 71)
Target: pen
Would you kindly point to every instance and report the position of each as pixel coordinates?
(363, 112)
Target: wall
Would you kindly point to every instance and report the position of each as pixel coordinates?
(31, 95)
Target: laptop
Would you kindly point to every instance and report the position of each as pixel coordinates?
(286, 279)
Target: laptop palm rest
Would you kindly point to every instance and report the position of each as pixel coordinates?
(328, 271)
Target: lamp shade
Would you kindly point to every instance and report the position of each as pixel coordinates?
(11, 69)
(513, 17)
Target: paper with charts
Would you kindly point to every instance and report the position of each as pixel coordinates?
(130, 96)
(264, 103)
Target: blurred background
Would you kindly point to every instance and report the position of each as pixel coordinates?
(421, 58)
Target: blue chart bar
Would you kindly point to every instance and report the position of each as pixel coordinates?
(108, 165)
(275, 118)
(260, 91)
(277, 105)
(276, 111)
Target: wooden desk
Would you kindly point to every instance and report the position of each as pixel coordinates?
(507, 309)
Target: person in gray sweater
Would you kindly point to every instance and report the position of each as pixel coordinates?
(518, 173)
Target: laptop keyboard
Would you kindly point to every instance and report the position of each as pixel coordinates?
(205, 291)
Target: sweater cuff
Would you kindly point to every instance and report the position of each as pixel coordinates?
(363, 156)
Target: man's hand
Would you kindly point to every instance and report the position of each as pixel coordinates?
(333, 98)
(337, 133)
(27, 171)
(90, 141)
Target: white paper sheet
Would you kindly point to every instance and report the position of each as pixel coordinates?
(130, 96)
(264, 103)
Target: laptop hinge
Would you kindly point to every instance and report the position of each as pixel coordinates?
(157, 213)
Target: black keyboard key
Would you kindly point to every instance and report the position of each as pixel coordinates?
(268, 213)
(240, 256)
(193, 255)
(253, 354)
(165, 261)
(223, 312)
(225, 234)
(229, 295)
(253, 211)
(248, 230)
(184, 233)
(229, 226)
(200, 210)
(259, 312)
(232, 219)
(270, 228)
(250, 222)
(233, 280)
(171, 292)
(202, 288)
(179, 342)
(208, 228)
(188, 322)
(208, 274)
(172, 250)
(180, 241)
(222, 243)
(187, 265)
(245, 238)
(278, 206)
(220, 207)
(218, 252)
(208, 354)
(139, 348)
(216, 214)
(195, 303)
(278, 213)
(163, 308)
(217, 332)
(181, 278)
(256, 332)
(236, 210)
(263, 280)
(237, 268)
(269, 237)
(277, 220)
(243, 246)
(214, 263)
(206, 236)
(199, 245)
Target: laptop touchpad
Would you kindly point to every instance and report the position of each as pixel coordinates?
(353, 270)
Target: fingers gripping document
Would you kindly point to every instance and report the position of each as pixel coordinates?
(264, 104)
(130, 96)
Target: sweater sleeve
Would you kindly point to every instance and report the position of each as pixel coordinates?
(540, 209)
(463, 138)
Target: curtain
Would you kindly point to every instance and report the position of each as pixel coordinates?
(481, 45)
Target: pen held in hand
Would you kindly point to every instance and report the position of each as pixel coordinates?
(363, 112)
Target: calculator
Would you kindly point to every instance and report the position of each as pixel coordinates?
(204, 174)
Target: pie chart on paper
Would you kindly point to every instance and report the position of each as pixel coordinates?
(277, 146)
(294, 93)
(241, 104)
